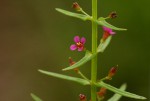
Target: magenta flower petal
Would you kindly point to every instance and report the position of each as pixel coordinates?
(76, 39)
(83, 40)
(107, 29)
(80, 48)
(112, 33)
(73, 47)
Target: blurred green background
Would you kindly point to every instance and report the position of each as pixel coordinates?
(34, 36)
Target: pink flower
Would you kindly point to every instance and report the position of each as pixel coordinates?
(107, 33)
(79, 43)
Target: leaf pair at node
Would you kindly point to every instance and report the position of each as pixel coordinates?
(101, 21)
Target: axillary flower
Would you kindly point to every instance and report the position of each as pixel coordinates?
(107, 33)
(79, 44)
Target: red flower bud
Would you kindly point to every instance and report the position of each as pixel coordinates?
(71, 62)
(112, 15)
(76, 6)
(112, 72)
(82, 97)
(101, 93)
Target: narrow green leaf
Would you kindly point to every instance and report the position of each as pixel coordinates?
(78, 80)
(118, 91)
(102, 46)
(35, 97)
(88, 56)
(102, 21)
(76, 15)
(117, 97)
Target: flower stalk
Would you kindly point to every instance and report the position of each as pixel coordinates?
(94, 50)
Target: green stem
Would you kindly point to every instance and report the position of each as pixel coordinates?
(94, 50)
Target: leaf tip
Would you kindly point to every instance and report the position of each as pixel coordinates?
(35, 98)
(122, 29)
(125, 29)
(41, 71)
(56, 8)
(143, 98)
(125, 85)
(65, 69)
(31, 94)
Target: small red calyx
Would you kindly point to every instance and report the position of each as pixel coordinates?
(101, 93)
(82, 97)
(112, 15)
(71, 62)
(76, 6)
(105, 36)
(112, 72)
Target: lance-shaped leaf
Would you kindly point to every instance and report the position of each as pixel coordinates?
(36, 98)
(102, 46)
(118, 91)
(102, 21)
(88, 56)
(76, 15)
(117, 97)
(78, 80)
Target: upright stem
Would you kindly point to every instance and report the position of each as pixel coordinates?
(94, 50)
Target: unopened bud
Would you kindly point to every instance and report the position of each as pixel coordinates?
(112, 15)
(76, 6)
(71, 62)
(101, 93)
(112, 72)
(82, 97)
